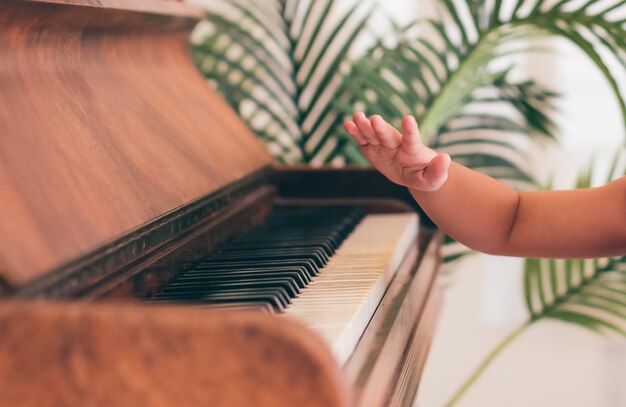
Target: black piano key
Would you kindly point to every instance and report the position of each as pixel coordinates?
(252, 296)
(275, 296)
(269, 295)
(328, 245)
(271, 263)
(223, 282)
(308, 267)
(283, 290)
(226, 274)
(233, 305)
(334, 234)
(257, 306)
(318, 258)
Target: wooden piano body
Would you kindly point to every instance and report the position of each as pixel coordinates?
(119, 168)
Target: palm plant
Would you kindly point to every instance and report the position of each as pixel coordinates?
(285, 66)
(281, 65)
(440, 74)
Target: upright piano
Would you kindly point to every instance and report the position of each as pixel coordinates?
(151, 252)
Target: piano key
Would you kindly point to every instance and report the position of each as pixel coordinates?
(278, 266)
(223, 283)
(341, 299)
(333, 239)
(340, 293)
(306, 270)
(290, 243)
(223, 274)
(285, 254)
(309, 267)
(270, 296)
(230, 306)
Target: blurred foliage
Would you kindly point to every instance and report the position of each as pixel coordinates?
(282, 64)
(288, 67)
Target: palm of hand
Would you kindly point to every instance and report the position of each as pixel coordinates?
(399, 165)
(401, 157)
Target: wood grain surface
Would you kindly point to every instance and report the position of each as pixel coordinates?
(107, 355)
(163, 7)
(380, 365)
(105, 124)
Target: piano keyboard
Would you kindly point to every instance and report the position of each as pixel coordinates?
(340, 302)
(271, 264)
(325, 266)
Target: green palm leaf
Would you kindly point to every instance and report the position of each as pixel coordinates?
(285, 68)
(282, 64)
(441, 69)
(456, 103)
(584, 292)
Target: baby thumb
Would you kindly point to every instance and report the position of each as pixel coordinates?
(436, 173)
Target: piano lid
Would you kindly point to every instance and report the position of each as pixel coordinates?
(105, 125)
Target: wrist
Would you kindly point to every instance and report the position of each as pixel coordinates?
(427, 188)
(433, 176)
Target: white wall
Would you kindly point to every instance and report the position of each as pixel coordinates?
(551, 364)
(589, 118)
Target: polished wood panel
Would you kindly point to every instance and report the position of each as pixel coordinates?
(143, 279)
(414, 359)
(378, 363)
(105, 125)
(112, 355)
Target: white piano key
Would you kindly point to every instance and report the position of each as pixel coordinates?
(341, 300)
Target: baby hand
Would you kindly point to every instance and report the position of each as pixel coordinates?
(400, 157)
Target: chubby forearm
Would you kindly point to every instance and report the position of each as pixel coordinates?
(472, 208)
(487, 215)
(588, 222)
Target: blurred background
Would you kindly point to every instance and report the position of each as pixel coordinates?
(551, 363)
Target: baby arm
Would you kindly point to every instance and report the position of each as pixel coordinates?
(487, 215)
